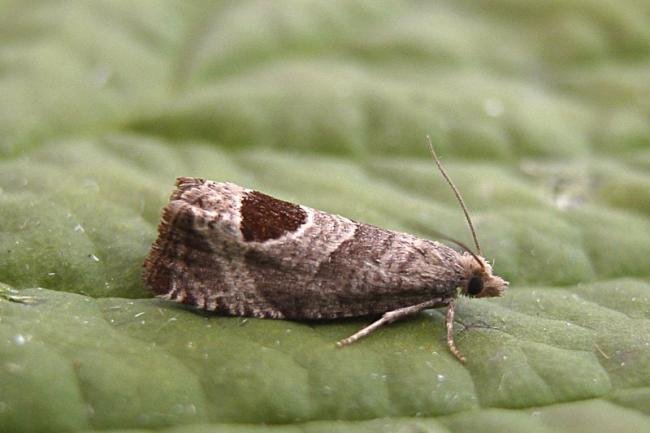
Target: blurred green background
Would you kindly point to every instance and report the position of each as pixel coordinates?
(540, 110)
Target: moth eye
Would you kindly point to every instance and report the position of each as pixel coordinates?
(475, 286)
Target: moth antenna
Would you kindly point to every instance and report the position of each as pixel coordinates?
(456, 193)
(460, 244)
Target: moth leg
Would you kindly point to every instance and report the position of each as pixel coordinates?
(390, 317)
(450, 332)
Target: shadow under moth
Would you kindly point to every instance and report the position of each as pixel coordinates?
(235, 251)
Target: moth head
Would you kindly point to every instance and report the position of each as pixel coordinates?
(479, 282)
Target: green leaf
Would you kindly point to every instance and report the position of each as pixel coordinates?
(538, 110)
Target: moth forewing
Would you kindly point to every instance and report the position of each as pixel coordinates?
(228, 249)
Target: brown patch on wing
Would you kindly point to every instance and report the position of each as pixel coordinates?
(265, 217)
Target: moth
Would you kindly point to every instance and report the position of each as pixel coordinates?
(236, 251)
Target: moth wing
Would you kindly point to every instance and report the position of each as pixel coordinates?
(327, 272)
(198, 231)
(224, 248)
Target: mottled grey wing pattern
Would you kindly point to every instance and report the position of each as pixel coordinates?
(235, 251)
